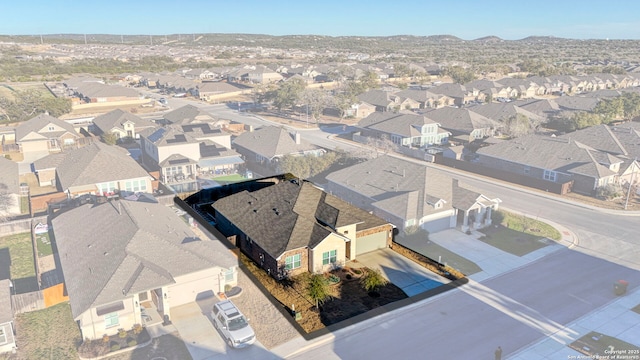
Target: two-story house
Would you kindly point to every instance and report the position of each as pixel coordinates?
(403, 129)
(45, 134)
(122, 124)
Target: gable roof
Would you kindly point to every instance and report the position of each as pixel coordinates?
(399, 187)
(91, 164)
(407, 125)
(461, 120)
(117, 118)
(146, 247)
(9, 176)
(188, 114)
(376, 97)
(271, 141)
(503, 111)
(291, 215)
(550, 153)
(37, 124)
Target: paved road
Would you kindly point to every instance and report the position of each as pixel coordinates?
(512, 311)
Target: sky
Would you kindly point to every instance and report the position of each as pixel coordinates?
(511, 20)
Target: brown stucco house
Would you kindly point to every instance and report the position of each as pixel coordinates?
(291, 226)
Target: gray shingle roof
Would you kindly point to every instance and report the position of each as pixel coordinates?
(288, 216)
(188, 114)
(407, 125)
(461, 120)
(272, 141)
(376, 97)
(39, 125)
(115, 120)
(503, 111)
(9, 176)
(110, 251)
(544, 152)
(92, 164)
(399, 187)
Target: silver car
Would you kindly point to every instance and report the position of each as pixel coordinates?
(232, 324)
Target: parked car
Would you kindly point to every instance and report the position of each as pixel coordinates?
(232, 324)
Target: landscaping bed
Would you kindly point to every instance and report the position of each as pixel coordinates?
(428, 263)
(124, 339)
(168, 346)
(348, 297)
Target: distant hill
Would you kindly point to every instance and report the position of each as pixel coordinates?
(489, 39)
(541, 39)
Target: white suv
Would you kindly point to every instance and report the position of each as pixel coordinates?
(232, 324)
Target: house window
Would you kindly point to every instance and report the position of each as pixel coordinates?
(111, 320)
(51, 128)
(135, 185)
(69, 141)
(550, 175)
(329, 257)
(228, 275)
(292, 262)
(106, 187)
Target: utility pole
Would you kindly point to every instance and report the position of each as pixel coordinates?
(151, 39)
(626, 202)
(122, 39)
(85, 39)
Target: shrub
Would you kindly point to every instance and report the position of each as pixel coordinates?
(609, 191)
(115, 347)
(318, 289)
(132, 342)
(137, 329)
(372, 280)
(122, 333)
(105, 338)
(227, 288)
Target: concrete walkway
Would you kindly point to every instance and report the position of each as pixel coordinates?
(407, 275)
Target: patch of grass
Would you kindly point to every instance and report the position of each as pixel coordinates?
(595, 343)
(517, 234)
(48, 334)
(43, 242)
(24, 204)
(229, 179)
(20, 254)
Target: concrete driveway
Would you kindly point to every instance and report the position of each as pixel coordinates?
(412, 278)
(203, 341)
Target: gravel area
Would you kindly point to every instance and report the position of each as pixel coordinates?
(270, 325)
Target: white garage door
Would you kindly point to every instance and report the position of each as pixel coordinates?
(437, 225)
(189, 290)
(371, 242)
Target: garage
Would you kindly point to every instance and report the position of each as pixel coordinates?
(437, 224)
(194, 286)
(371, 242)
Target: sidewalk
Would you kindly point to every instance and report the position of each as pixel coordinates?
(614, 319)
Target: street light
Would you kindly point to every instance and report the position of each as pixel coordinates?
(633, 172)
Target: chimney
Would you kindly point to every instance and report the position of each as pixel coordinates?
(296, 136)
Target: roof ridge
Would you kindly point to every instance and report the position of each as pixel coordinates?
(616, 140)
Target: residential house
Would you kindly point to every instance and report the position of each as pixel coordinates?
(267, 145)
(45, 134)
(387, 101)
(460, 94)
(97, 169)
(7, 336)
(403, 129)
(501, 112)
(292, 227)
(210, 91)
(464, 124)
(425, 98)
(9, 188)
(130, 262)
(576, 103)
(554, 159)
(263, 75)
(542, 107)
(122, 124)
(98, 92)
(408, 194)
(190, 114)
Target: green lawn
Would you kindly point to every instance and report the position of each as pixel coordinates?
(43, 242)
(229, 179)
(48, 334)
(21, 255)
(24, 204)
(517, 234)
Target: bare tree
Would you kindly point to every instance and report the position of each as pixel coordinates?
(383, 145)
(6, 202)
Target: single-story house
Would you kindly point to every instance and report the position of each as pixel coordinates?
(123, 258)
(292, 226)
